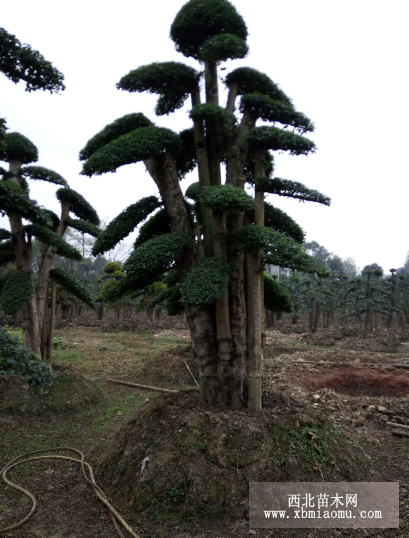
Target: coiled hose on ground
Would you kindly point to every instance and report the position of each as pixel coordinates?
(90, 480)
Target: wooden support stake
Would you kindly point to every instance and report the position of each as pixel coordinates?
(397, 425)
(190, 372)
(142, 386)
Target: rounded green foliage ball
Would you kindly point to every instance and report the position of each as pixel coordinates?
(18, 148)
(9, 271)
(111, 267)
(222, 47)
(199, 20)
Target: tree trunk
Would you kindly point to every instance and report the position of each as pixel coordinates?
(24, 263)
(51, 321)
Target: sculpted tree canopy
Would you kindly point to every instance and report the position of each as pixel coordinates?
(21, 62)
(21, 290)
(210, 246)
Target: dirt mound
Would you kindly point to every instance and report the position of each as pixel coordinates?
(199, 461)
(169, 370)
(360, 382)
(376, 344)
(69, 393)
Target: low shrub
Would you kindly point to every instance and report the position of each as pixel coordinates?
(18, 360)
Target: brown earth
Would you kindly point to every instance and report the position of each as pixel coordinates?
(201, 459)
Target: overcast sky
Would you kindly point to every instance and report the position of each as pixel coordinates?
(344, 64)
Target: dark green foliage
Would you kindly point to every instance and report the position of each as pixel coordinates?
(16, 292)
(222, 47)
(18, 360)
(268, 109)
(7, 252)
(53, 219)
(276, 139)
(206, 281)
(17, 147)
(73, 286)
(5, 234)
(281, 222)
(124, 224)
(276, 297)
(13, 200)
(6, 245)
(249, 166)
(21, 62)
(158, 224)
(173, 304)
(171, 278)
(114, 130)
(211, 112)
(7, 257)
(78, 205)
(199, 20)
(133, 147)
(117, 274)
(39, 172)
(193, 191)
(185, 160)
(3, 129)
(155, 257)
(148, 262)
(172, 81)
(252, 81)
(83, 226)
(278, 249)
(170, 102)
(225, 198)
(47, 236)
(118, 289)
(291, 189)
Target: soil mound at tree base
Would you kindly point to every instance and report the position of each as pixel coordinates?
(70, 392)
(169, 370)
(201, 459)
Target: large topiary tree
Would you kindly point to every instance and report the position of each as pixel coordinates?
(213, 243)
(22, 289)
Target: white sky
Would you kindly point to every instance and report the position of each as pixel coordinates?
(344, 64)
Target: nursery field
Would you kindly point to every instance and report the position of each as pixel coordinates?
(326, 405)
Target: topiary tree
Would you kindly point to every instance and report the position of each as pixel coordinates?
(19, 290)
(20, 62)
(215, 241)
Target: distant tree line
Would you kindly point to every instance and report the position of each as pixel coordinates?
(368, 298)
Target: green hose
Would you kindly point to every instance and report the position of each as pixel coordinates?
(98, 491)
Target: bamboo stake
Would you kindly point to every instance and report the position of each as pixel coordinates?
(190, 372)
(397, 425)
(142, 386)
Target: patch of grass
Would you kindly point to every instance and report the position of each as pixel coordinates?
(65, 356)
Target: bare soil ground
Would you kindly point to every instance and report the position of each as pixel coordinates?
(324, 418)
